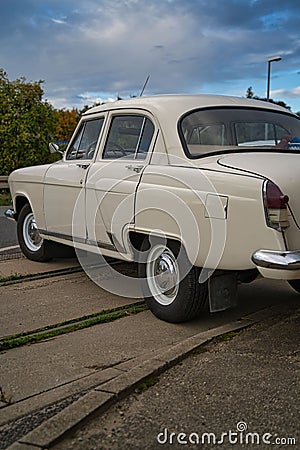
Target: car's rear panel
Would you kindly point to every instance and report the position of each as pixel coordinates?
(283, 170)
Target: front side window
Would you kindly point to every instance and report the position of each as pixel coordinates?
(84, 144)
(219, 130)
(129, 137)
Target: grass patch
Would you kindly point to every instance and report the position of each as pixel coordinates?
(69, 326)
(198, 351)
(3, 397)
(151, 381)
(15, 278)
(227, 337)
(5, 198)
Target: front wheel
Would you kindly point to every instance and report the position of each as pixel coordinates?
(295, 285)
(170, 283)
(32, 244)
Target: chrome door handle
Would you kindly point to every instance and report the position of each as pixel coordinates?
(83, 166)
(135, 168)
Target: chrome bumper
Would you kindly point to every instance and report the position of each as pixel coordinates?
(272, 259)
(10, 214)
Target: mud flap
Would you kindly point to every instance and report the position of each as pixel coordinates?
(222, 291)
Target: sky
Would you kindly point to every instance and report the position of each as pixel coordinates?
(89, 51)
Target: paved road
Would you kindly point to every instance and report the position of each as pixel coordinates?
(231, 394)
(8, 230)
(57, 370)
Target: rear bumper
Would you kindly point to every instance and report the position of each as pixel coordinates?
(280, 260)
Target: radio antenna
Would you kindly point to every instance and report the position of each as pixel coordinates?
(145, 84)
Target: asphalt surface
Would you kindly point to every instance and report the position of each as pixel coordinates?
(8, 230)
(241, 393)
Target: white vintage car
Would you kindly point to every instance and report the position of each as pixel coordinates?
(201, 191)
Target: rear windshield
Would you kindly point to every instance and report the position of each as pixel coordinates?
(223, 130)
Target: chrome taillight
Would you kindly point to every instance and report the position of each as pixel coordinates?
(275, 203)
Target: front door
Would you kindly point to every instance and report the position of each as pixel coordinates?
(64, 183)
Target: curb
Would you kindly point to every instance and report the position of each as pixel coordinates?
(101, 397)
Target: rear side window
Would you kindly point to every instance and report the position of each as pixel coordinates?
(129, 137)
(84, 144)
(259, 133)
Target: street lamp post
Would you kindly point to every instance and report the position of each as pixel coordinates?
(276, 58)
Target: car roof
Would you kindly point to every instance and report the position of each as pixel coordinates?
(178, 104)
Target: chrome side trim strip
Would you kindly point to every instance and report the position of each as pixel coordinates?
(79, 240)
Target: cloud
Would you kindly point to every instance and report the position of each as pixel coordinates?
(90, 98)
(110, 46)
(288, 93)
(59, 21)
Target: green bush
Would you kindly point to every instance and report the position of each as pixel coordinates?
(27, 124)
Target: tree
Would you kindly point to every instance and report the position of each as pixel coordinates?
(250, 94)
(66, 123)
(27, 123)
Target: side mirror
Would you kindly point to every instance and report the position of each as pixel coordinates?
(54, 148)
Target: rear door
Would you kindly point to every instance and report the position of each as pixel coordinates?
(113, 178)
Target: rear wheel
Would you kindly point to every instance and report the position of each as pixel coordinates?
(32, 244)
(295, 285)
(170, 284)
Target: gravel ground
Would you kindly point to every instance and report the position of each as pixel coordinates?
(13, 431)
(246, 387)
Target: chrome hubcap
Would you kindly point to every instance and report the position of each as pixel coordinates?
(32, 237)
(165, 274)
(162, 275)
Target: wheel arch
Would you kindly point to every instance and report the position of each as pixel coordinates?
(20, 201)
(136, 238)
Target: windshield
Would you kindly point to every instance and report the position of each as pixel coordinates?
(222, 130)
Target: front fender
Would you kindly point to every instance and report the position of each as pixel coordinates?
(27, 186)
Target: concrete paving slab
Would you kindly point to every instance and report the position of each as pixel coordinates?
(51, 430)
(128, 380)
(28, 370)
(30, 305)
(23, 266)
(20, 446)
(54, 365)
(34, 304)
(43, 399)
(174, 354)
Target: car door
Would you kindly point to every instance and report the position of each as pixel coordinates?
(113, 179)
(65, 181)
